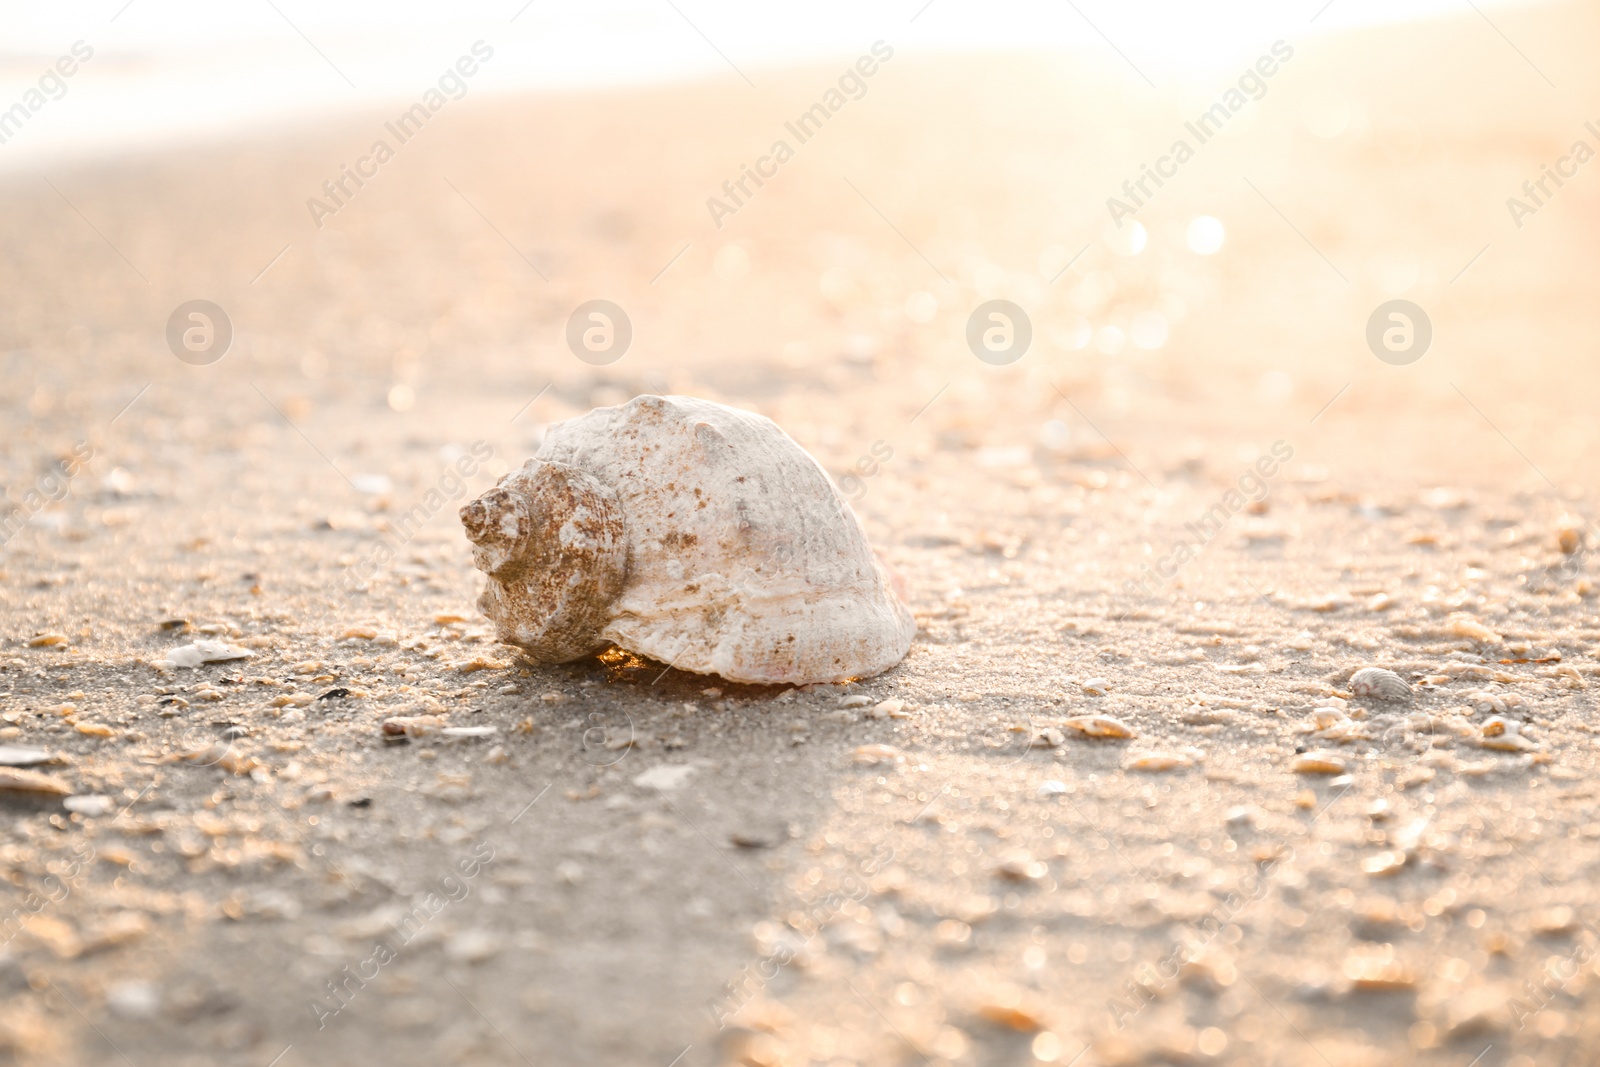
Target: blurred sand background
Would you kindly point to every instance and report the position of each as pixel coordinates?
(430, 314)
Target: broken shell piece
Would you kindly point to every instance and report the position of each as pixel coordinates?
(1377, 969)
(402, 727)
(194, 655)
(1319, 763)
(695, 534)
(1499, 701)
(893, 708)
(17, 780)
(1096, 687)
(1159, 761)
(1019, 865)
(1384, 863)
(1462, 625)
(1049, 737)
(1099, 726)
(1505, 735)
(89, 804)
(24, 756)
(1379, 684)
(664, 776)
(873, 755)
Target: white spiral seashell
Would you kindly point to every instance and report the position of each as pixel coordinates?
(1380, 684)
(693, 533)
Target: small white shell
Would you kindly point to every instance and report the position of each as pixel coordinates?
(1380, 684)
(1049, 737)
(1505, 735)
(695, 534)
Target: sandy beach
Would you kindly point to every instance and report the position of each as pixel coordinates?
(1195, 506)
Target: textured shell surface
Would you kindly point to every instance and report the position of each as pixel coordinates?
(1379, 683)
(693, 533)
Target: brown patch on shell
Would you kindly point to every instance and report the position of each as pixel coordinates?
(553, 542)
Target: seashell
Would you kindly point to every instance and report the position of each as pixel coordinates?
(1462, 625)
(893, 708)
(25, 756)
(1242, 815)
(17, 780)
(1380, 684)
(1384, 863)
(1019, 865)
(189, 656)
(1099, 726)
(873, 755)
(89, 804)
(1322, 718)
(695, 534)
(1319, 763)
(1049, 737)
(1376, 969)
(1096, 687)
(403, 727)
(1505, 735)
(1159, 761)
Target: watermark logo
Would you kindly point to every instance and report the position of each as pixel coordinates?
(1252, 485)
(1538, 192)
(52, 86)
(1399, 332)
(199, 332)
(853, 483)
(53, 486)
(1252, 85)
(404, 926)
(607, 736)
(341, 189)
(999, 332)
(405, 525)
(599, 332)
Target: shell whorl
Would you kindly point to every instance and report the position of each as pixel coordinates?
(553, 542)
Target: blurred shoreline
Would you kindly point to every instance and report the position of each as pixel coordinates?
(173, 78)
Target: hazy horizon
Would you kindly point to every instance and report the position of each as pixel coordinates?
(176, 70)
